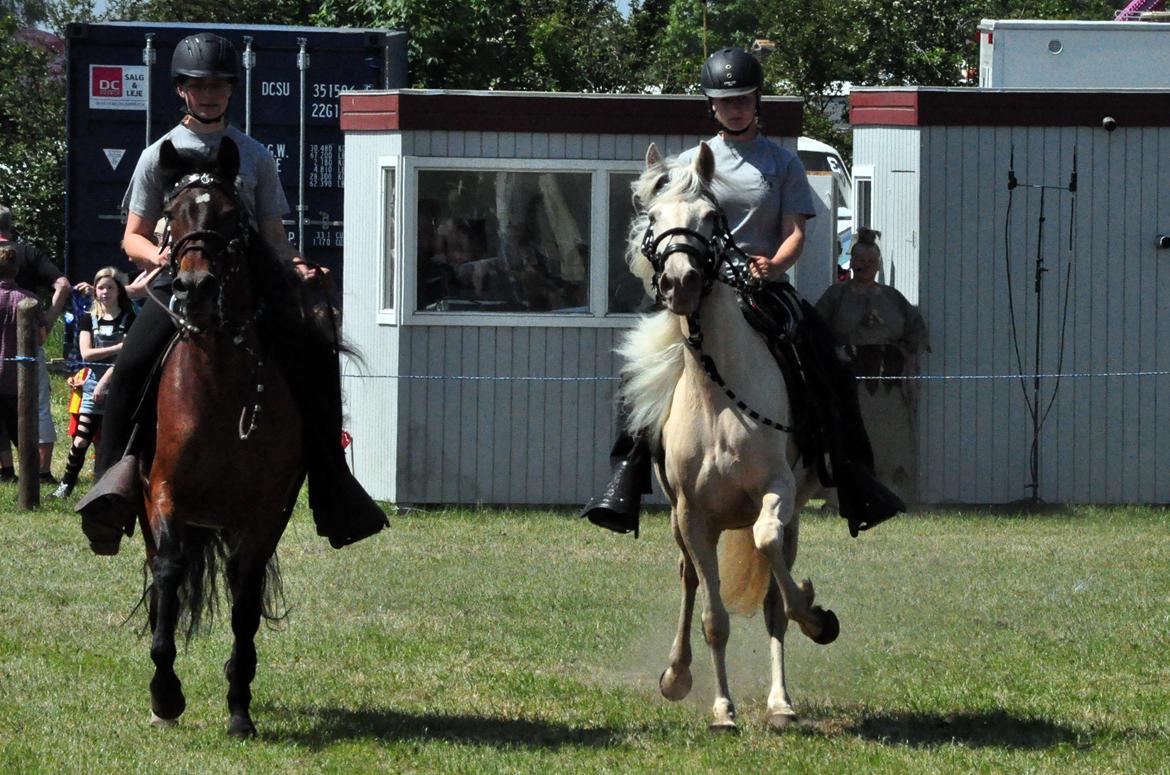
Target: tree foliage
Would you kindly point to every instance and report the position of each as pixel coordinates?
(821, 46)
(32, 125)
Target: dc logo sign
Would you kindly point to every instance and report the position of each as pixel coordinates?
(106, 82)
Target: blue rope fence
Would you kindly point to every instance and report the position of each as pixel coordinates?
(917, 377)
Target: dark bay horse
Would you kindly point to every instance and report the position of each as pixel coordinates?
(228, 461)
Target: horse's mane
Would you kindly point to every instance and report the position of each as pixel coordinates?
(653, 350)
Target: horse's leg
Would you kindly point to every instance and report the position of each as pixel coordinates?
(775, 533)
(701, 546)
(675, 681)
(166, 691)
(780, 712)
(246, 571)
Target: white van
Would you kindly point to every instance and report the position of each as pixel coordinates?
(820, 157)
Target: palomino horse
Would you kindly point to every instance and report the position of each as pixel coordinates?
(224, 478)
(728, 465)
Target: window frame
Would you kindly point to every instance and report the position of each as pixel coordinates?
(406, 280)
(389, 315)
(862, 173)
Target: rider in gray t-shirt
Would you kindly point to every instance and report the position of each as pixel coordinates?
(204, 69)
(764, 194)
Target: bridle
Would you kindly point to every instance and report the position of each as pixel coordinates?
(717, 251)
(235, 246)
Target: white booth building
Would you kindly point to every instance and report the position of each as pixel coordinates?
(485, 283)
(931, 172)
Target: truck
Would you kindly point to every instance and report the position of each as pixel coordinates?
(121, 99)
(1049, 54)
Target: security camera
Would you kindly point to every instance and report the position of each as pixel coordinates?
(1109, 123)
(1164, 241)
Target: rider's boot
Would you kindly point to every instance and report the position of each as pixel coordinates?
(108, 511)
(343, 511)
(618, 505)
(863, 500)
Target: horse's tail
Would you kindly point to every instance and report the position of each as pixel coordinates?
(744, 572)
(653, 355)
(206, 553)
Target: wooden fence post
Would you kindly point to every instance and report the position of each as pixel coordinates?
(28, 443)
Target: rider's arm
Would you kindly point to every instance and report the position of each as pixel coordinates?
(785, 257)
(138, 244)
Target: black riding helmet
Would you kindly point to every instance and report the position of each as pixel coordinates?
(205, 55)
(730, 72)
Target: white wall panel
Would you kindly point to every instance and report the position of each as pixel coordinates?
(1103, 439)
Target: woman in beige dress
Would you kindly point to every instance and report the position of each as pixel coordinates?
(885, 333)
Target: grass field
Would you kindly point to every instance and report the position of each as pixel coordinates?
(492, 641)
(526, 641)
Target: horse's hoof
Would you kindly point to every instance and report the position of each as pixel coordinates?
(162, 723)
(830, 628)
(677, 686)
(241, 727)
(780, 721)
(724, 727)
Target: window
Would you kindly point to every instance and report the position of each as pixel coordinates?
(626, 292)
(492, 240)
(388, 240)
(863, 202)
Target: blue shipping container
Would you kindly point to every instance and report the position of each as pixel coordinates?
(121, 99)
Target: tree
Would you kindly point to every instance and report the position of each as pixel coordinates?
(32, 167)
(291, 12)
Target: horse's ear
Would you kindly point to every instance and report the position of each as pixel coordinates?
(653, 156)
(170, 164)
(705, 162)
(227, 160)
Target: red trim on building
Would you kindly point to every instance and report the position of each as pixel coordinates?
(986, 107)
(542, 112)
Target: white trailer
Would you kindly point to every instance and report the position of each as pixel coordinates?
(1048, 54)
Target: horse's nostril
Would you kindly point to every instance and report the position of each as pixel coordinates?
(207, 284)
(665, 283)
(691, 280)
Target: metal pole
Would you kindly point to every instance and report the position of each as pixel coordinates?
(303, 66)
(149, 56)
(28, 440)
(1040, 270)
(385, 61)
(249, 63)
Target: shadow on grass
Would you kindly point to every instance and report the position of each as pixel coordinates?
(331, 725)
(991, 730)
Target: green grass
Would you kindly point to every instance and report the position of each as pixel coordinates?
(491, 641)
(528, 641)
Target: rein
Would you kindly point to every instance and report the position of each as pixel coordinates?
(717, 251)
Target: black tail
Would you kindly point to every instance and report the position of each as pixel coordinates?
(206, 555)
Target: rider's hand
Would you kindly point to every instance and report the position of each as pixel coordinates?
(312, 274)
(762, 268)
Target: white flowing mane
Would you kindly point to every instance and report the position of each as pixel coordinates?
(653, 350)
